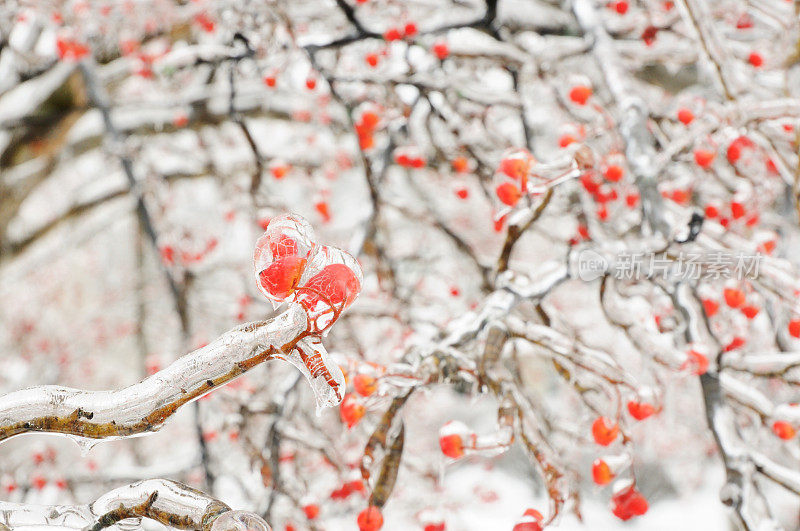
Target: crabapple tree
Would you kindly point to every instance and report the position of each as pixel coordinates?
(530, 263)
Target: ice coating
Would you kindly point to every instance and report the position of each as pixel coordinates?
(330, 283)
(161, 500)
(519, 175)
(324, 376)
(290, 266)
(240, 521)
(143, 407)
(280, 256)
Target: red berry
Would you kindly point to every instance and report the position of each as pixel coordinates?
(370, 519)
(311, 510)
(281, 277)
(565, 140)
(580, 94)
(461, 164)
(621, 7)
(441, 50)
(733, 297)
(735, 343)
(392, 34)
(711, 307)
(614, 173)
(410, 29)
(462, 193)
(508, 194)
(794, 328)
(531, 521)
(685, 116)
(640, 410)
(628, 503)
(711, 211)
(364, 384)
(279, 171)
(452, 445)
(737, 209)
(735, 148)
(370, 120)
(270, 81)
(514, 167)
(351, 410)
(704, 157)
(372, 59)
(784, 430)
(745, 21)
(755, 59)
(604, 431)
(649, 35)
(601, 472)
(697, 362)
(180, 120)
(311, 83)
(335, 285)
(323, 210)
(632, 199)
(750, 311)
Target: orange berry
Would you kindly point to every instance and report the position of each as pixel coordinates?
(461, 164)
(452, 445)
(364, 384)
(351, 410)
(604, 431)
(601, 472)
(508, 194)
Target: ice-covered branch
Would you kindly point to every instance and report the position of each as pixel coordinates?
(633, 111)
(168, 502)
(145, 406)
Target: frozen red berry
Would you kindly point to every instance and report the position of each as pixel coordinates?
(604, 431)
(370, 519)
(685, 116)
(601, 472)
(580, 94)
(783, 430)
(640, 410)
